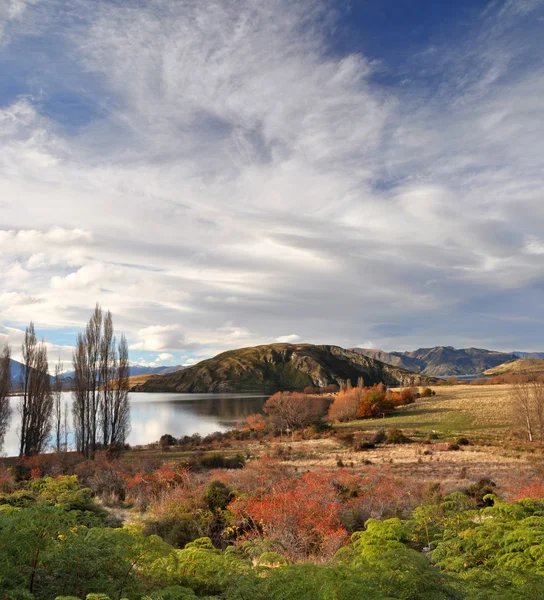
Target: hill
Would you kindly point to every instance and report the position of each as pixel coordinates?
(267, 369)
(522, 366)
(441, 361)
(528, 354)
(138, 370)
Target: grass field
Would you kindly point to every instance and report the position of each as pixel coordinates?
(481, 413)
(484, 410)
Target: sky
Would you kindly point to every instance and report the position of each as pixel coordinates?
(226, 173)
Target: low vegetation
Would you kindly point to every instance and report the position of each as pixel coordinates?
(420, 499)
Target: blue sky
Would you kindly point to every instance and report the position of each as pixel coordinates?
(224, 174)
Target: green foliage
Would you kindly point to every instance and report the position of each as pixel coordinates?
(217, 495)
(452, 549)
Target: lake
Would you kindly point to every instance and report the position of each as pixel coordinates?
(152, 415)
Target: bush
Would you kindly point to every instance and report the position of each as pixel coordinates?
(427, 393)
(375, 402)
(217, 495)
(218, 461)
(167, 440)
(462, 441)
(380, 437)
(479, 490)
(396, 436)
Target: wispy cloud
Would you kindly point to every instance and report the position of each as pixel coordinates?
(235, 179)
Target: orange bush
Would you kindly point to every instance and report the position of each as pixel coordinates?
(374, 402)
(303, 514)
(346, 404)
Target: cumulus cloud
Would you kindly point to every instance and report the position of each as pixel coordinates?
(159, 337)
(231, 178)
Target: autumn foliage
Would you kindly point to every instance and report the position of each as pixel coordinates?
(302, 514)
(292, 410)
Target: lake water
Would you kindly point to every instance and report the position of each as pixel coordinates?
(152, 415)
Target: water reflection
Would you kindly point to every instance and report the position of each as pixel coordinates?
(152, 415)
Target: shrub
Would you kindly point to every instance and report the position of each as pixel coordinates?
(218, 461)
(291, 410)
(217, 495)
(167, 440)
(477, 491)
(375, 402)
(396, 436)
(345, 405)
(427, 393)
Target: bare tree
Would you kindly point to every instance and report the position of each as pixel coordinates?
(101, 408)
(5, 387)
(120, 421)
(527, 396)
(36, 404)
(28, 349)
(93, 335)
(80, 409)
(65, 428)
(57, 398)
(108, 360)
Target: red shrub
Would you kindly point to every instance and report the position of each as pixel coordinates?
(302, 514)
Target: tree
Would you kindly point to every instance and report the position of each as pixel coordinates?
(375, 402)
(57, 401)
(36, 404)
(120, 414)
(5, 386)
(346, 404)
(292, 410)
(101, 407)
(527, 398)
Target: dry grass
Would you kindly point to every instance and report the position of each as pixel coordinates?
(483, 414)
(483, 410)
(425, 462)
(140, 379)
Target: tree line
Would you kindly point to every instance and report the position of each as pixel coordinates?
(100, 406)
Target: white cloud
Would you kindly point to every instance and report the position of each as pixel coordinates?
(159, 337)
(365, 345)
(288, 339)
(240, 180)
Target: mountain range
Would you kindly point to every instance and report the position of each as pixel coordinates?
(441, 361)
(274, 367)
(16, 371)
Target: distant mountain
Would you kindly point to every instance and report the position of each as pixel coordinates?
(441, 361)
(521, 366)
(137, 370)
(16, 371)
(528, 354)
(274, 367)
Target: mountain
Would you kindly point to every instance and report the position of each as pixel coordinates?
(274, 367)
(521, 366)
(138, 370)
(528, 354)
(16, 371)
(441, 361)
